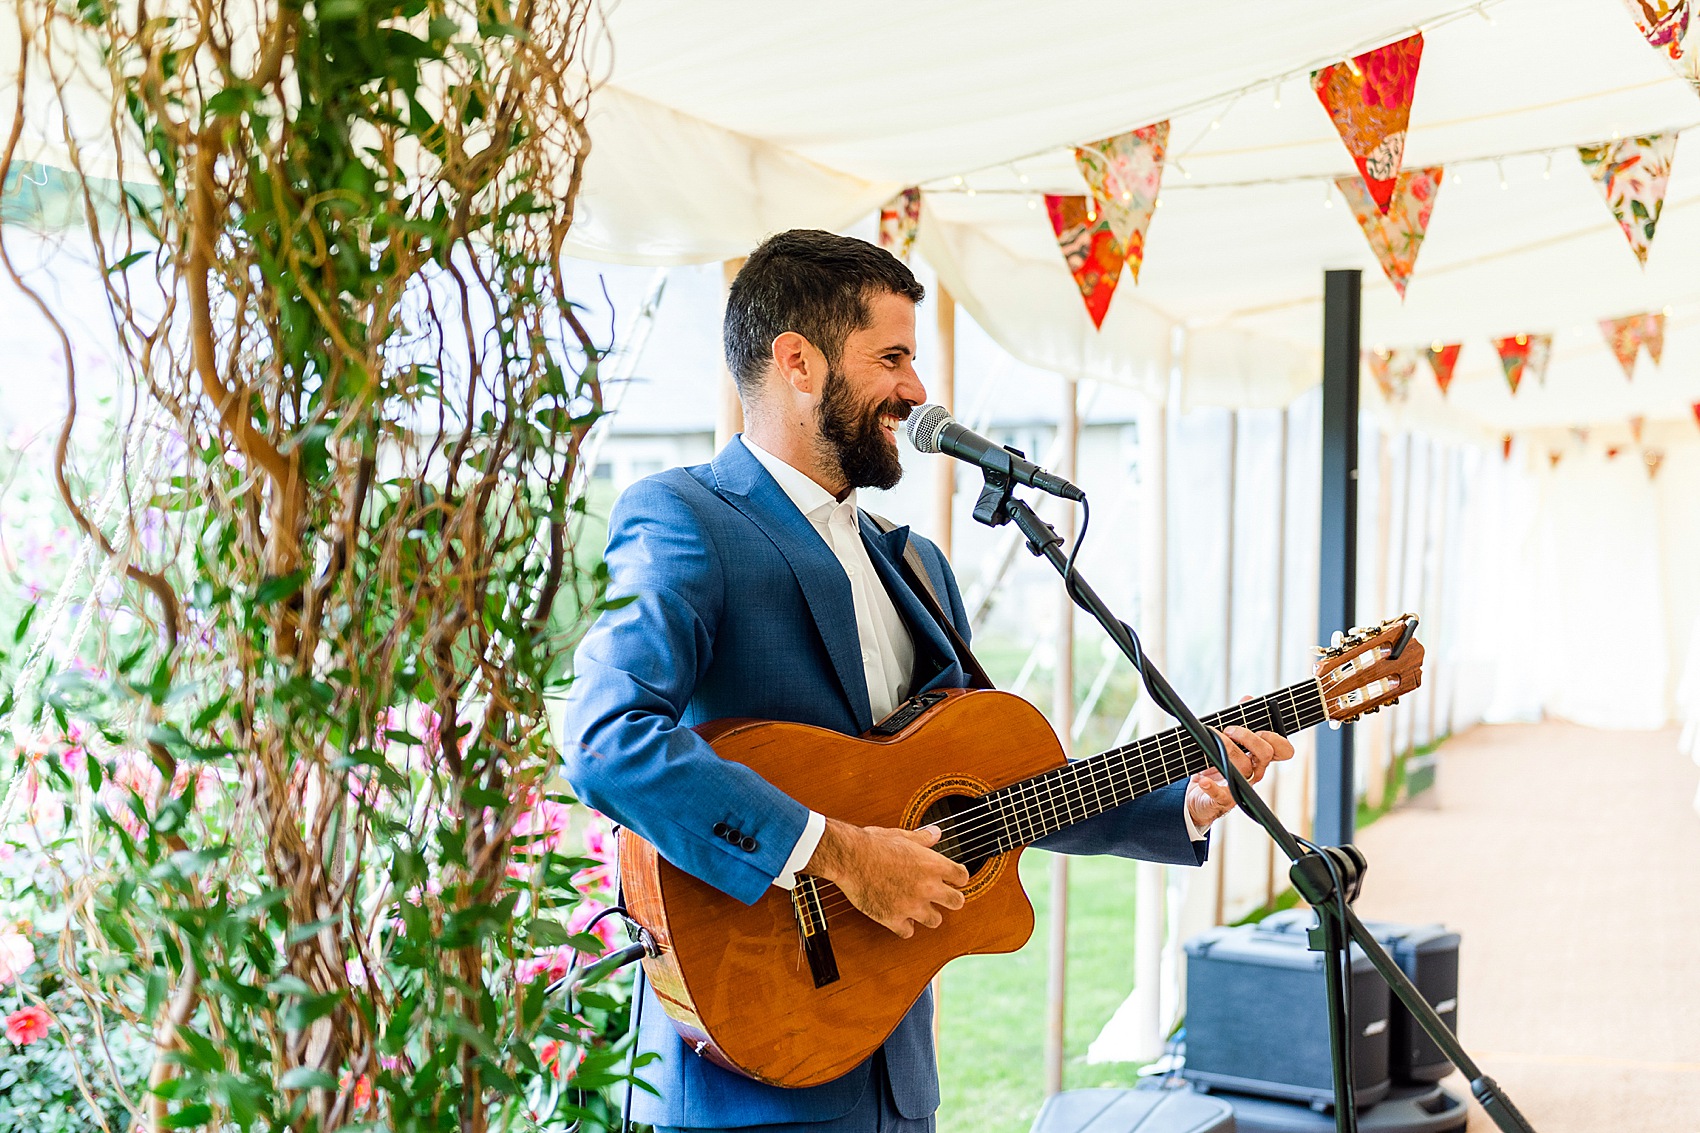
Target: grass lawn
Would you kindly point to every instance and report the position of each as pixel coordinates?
(992, 1042)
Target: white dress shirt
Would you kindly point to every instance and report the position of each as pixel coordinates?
(888, 651)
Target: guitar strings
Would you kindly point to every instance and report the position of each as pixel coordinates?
(1068, 785)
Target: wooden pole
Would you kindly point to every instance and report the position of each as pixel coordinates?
(1062, 719)
(944, 393)
(1219, 847)
(730, 420)
(1150, 889)
(1385, 605)
(1274, 781)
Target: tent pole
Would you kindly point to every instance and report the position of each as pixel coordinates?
(1062, 719)
(945, 394)
(1274, 781)
(1336, 799)
(1381, 730)
(1150, 889)
(731, 417)
(1219, 850)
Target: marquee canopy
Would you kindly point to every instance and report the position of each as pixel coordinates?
(720, 123)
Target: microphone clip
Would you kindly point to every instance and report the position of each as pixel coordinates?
(992, 508)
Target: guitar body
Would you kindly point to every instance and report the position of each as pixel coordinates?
(744, 966)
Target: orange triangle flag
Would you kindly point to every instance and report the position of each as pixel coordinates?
(1443, 360)
(1395, 233)
(1369, 99)
(1090, 248)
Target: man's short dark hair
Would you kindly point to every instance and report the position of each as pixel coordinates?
(814, 283)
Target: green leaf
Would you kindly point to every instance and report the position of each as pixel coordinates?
(307, 1078)
(277, 587)
(125, 263)
(189, 1116)
(23, 625)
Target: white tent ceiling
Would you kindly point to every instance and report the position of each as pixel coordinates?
(720, 123)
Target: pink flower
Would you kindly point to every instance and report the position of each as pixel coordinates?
(26, 1026)
(581, 918)
(554, 963)
(549, 1054)
(16, 954)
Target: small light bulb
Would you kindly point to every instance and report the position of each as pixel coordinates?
(1215, 123)
(1667, 312)
(1032, 203)
(1159, 202)
(970, 190)
(1546, 174)
(1127, 194)
(1022, 178)
(1438, 346)
(1503, 183)
(956, 180)
(1277, 94)
(1522, 340)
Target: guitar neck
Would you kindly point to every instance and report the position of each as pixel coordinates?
(1033, 808)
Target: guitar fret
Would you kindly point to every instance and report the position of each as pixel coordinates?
(1033, 808)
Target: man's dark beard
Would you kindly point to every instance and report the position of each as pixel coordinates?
(855, 437)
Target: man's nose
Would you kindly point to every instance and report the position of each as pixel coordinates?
(910, 388)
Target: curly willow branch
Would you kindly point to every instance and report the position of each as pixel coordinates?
(344, 292)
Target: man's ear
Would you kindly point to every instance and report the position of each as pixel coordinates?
(798, 362)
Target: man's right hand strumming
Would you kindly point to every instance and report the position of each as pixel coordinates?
(893, 876)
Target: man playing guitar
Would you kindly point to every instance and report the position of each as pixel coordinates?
(754, 587)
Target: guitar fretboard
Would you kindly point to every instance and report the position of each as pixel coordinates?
(1022, 813)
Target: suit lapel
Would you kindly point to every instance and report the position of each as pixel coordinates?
(746, 485)
(885, 549)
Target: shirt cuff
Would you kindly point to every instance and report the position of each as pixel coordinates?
(1192, 830)
(807, 841)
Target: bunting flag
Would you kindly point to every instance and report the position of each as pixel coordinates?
(900, 220)
(1632, 174)
(1505, 447)
(1654, 457)
(1613, 451)
(1636, 424)
(1369, 99)
(1553, 457)
(1125, 174)
(1626, 337)
(1443, 359)
(1524, 355)
(1396, 236)
(1392, 371)
(1093, 253)
(1580, 434)
(1696, 408)
(1665, 24)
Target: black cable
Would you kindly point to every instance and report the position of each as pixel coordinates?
(638, 988)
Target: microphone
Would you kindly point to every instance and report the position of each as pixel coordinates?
(932, 429)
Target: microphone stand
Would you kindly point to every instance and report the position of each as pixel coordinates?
(1327, 877)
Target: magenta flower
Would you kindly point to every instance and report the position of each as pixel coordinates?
(27, 1025)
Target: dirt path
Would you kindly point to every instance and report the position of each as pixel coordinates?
(1569, 859)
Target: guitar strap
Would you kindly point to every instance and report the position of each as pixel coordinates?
(919, 581)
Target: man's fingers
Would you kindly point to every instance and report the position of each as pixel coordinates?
(927, 835)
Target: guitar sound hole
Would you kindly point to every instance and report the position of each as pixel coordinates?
(968, 834)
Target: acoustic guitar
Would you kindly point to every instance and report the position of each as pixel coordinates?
(800, 988)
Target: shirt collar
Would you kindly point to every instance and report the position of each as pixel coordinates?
(811, 499)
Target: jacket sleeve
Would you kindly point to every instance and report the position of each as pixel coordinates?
(627, 753)
(1151, 827)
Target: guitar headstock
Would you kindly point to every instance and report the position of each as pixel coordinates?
(1371, 667)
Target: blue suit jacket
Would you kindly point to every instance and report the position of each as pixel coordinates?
(738, 608)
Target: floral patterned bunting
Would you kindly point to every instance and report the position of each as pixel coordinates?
(1553, 457)
(1369, 99)
(1392, 371)
(1654, 457)
(1632, 174)
(1613, 451)
(1626, 337)
(900, 220)
(1505, 447)
(1125, 174)
(1696, 408)
(1636, 424)
(1093, 253)
(1395, 237)
(1523, 355)
(1443, 359)
(1665, 23)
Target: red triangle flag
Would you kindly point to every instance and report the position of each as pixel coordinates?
(1443, 360)
(1505, 446)
(1697, 412)
(1523, 355)
(1369, 99)
(1612, 451)
(1093, 253)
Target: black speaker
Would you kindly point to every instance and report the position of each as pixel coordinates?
(1257, 1018)
(1428, 954)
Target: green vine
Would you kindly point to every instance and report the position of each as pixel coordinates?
(309, 848)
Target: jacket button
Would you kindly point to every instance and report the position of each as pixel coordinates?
(720, 829)
(748, 843)
(732, 836)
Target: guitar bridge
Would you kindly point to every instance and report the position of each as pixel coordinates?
(812, 931)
